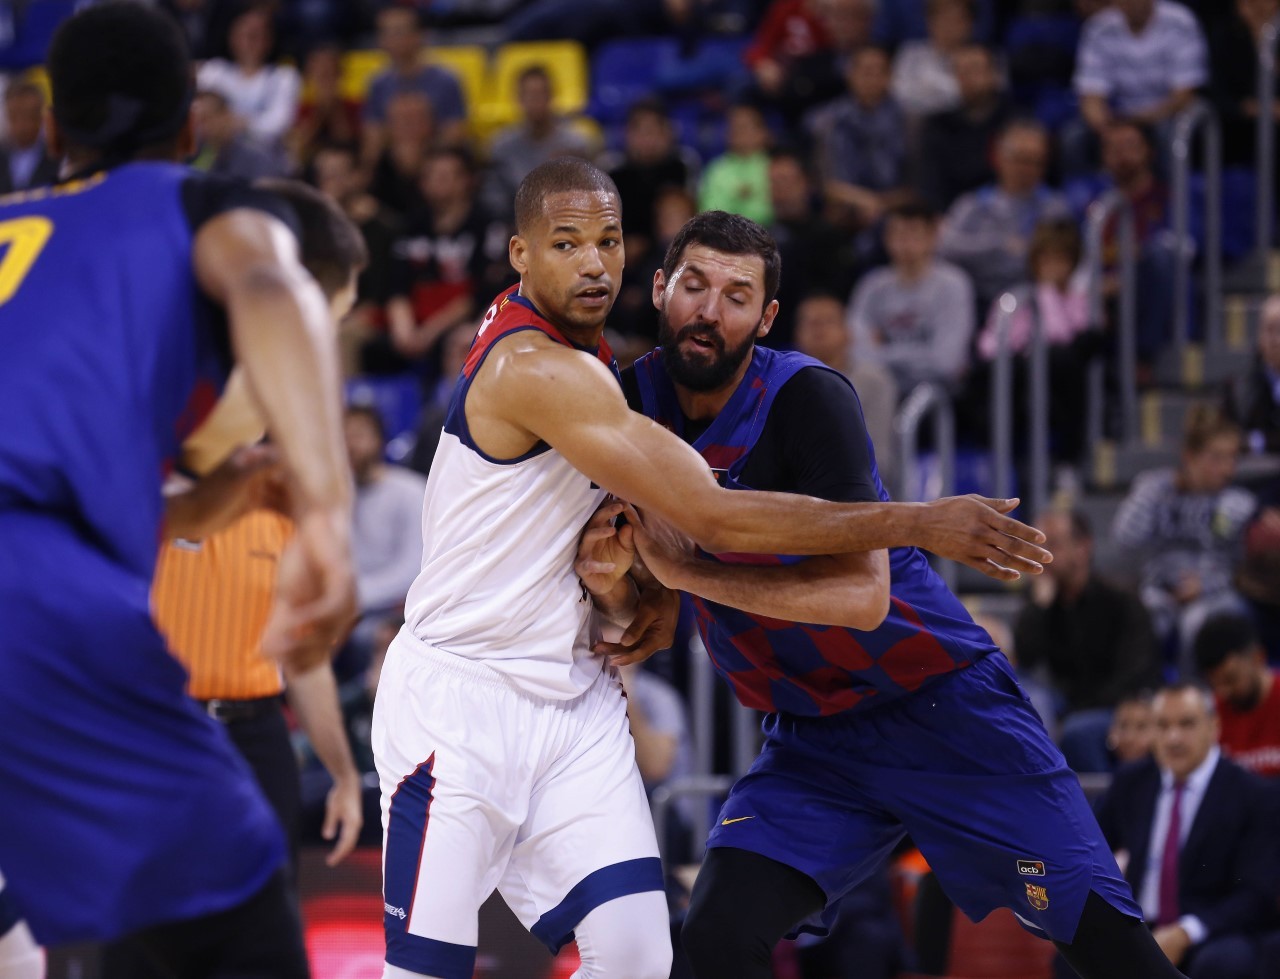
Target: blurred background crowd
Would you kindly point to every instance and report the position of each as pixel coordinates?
(1038, 235)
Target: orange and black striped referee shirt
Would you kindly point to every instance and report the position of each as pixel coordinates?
(211, 599)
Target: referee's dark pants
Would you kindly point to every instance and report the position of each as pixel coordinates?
(264, 934)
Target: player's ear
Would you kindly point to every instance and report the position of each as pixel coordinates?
(516, 254)
(659, 289)
(766, 321)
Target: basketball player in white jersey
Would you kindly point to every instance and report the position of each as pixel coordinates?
(501, 739)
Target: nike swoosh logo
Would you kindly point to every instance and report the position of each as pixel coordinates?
(726, 822)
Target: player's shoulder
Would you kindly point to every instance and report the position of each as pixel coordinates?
(815, 385)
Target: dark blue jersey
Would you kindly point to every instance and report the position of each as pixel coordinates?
(109, 353)
(800, 668)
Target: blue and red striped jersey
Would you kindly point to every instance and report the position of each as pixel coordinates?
(800, 668)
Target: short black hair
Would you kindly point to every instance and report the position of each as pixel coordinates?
(559, 176)
(369, 411)
(121, 78)
(1221, 637)
(732, 234)
(648, 105)
(331, 246)
(914, 210)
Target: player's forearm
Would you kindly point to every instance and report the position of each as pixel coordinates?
(618, 606)
(786, 523)
(278, 330)
(815, 591)
(313, 695)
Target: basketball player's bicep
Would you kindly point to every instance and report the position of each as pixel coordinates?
(575, 406)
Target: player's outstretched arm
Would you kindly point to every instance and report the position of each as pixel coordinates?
(571, 401)
(247, 262)
(849, 590)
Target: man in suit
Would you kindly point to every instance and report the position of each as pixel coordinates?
(24, 159)
(1195, 835)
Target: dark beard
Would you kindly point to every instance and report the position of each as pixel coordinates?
(1249, 701)
(702, 375)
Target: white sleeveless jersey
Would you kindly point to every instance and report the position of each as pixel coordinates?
(499, 538)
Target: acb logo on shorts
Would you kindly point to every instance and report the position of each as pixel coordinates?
(1031, 868)
(1037, 897)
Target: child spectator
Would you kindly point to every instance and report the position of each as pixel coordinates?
(738, 180)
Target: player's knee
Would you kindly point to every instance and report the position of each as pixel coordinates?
(628, 939)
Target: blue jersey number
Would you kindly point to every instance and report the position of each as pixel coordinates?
(23, 239)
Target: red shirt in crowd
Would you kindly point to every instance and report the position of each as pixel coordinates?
(1252, 738)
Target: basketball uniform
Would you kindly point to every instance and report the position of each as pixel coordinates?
(122, 805)
(918, 726)
(502, 743)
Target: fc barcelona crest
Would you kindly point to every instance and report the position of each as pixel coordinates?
(1037, 897)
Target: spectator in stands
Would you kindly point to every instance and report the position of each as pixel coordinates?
(651, 160)
(1196, 834)
(738, 180)
(263, 95)
(454, 348)
(817, 254)
(1188, 524)
(822, 332)
(24, 159)
(400, 35)
(818, 78)
(1092, 642)
(325, 117)
(1233, 81)
(385, 537)
(1056, 298)
(915, 316)
(1253, 400)
(1128, 159)
(224, 146)
(791, 35)
(337, 174)
(1132, 731)
(924, 78)
(1234, 664)
(540, 136)
(450, 257)
(660, 726)
(861, 144)
(1138, 59)
(408, 136)
(956, 145)
(987, 232)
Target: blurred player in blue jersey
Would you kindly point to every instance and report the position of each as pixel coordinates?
(890, 711)
(126, 293)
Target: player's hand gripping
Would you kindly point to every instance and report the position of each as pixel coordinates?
(652, 628)
(315, 603)
(605, 551)
(663, 548)
(976, 531)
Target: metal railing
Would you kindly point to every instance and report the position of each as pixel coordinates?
(664, 797)
(1266, 139)
(932, 401)
(1197, 119)
(1114, 204)
(1003, 408)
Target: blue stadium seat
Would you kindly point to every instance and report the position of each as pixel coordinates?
(625, 70)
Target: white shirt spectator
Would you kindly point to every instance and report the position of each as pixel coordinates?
(919, 330)
(1135, 72)
(386, 537)
(267, 100)
(923, 81)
